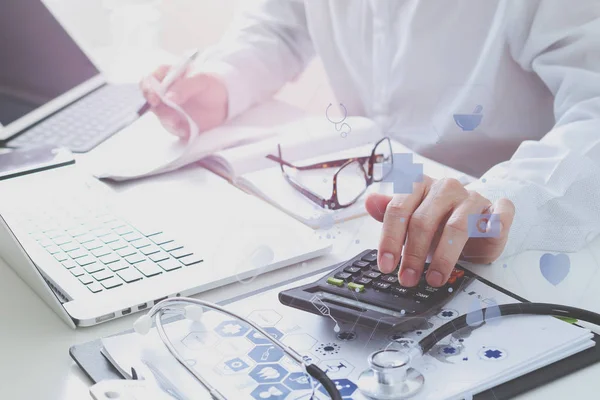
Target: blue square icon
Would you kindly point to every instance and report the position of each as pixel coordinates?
(236, 364)
(258, 338)
(483, 225)
(270, 392)
(266, 354)
(344, 386)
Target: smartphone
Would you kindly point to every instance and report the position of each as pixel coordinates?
(21, 162)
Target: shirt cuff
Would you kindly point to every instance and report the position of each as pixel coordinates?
(238, 93)
(526, 200)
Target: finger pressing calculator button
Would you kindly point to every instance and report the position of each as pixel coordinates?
(389, 279)
(373, 274)
(371, 257)
(334, 281)
(356, 287)
(345, 276)
(363, 281)
(458, 273)
(361, 264)
(352, 270)
(381, 286)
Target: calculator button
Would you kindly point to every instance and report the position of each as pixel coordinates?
(389, 279)
(402, 291)
(190, 260)
(334, 281)
(356, 287)
(422, 296)
(373, 275)
(102, 275)
(344, 276)
(363, 281)
(352, 270)
(381, 286)
(371, 257)
(361, 264)
(148, 268)
(459, 273)
(430, 289)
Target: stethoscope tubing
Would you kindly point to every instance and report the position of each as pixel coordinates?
(175, 305)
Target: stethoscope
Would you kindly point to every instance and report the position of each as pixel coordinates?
(389, 376)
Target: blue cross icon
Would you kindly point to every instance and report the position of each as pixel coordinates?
(402, 173)
(493, 353)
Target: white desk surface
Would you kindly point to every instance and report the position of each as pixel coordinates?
(34, 342)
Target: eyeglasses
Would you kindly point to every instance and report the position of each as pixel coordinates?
(351, 179)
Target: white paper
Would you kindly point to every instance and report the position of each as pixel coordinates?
(519, 343)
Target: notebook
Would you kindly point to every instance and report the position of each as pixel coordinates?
(243, 365)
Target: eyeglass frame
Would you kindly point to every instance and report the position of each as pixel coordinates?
(333, 202)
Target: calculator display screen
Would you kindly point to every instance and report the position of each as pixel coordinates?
(356, 303)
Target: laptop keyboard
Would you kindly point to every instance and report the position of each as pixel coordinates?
(104, 252)
(87, 122)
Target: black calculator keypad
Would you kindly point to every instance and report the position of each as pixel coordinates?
(361, 275)
(361, 264)
(345, 276)
(352, 270)
(363, 281)
(373, 274)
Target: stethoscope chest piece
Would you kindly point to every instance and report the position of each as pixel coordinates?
(390, 377)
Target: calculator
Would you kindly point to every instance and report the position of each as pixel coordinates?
(357, 292)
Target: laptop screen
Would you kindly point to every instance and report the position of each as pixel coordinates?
(39, 61)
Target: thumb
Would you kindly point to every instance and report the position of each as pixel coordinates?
(183, 89)
(376, 204)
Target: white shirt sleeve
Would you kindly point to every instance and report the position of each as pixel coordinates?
(555, 182)
(267, 45)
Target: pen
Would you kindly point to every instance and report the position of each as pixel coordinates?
(173, 74)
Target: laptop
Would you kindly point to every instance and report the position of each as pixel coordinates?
(94, 255)
(51, 93)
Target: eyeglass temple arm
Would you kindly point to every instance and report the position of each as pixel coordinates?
(328, 164)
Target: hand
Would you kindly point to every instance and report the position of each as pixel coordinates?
(203, 97)
(435, 216)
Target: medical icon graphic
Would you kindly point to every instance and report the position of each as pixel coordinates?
(345, 387)
(231, 329)
(266, 354)
(336, 368)
(268, 373)
(555, 267)
(448, 314)
(258, 338)
(402, 172)
(324, 310)
(483, 225)
(468, 122)
(236, 364)
(339, 125)
(327, 349)
(297, 381)
(270, 392)
(492, 354)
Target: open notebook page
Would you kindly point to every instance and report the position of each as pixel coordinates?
(299, 140)
(145, 148)
(237, 362)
